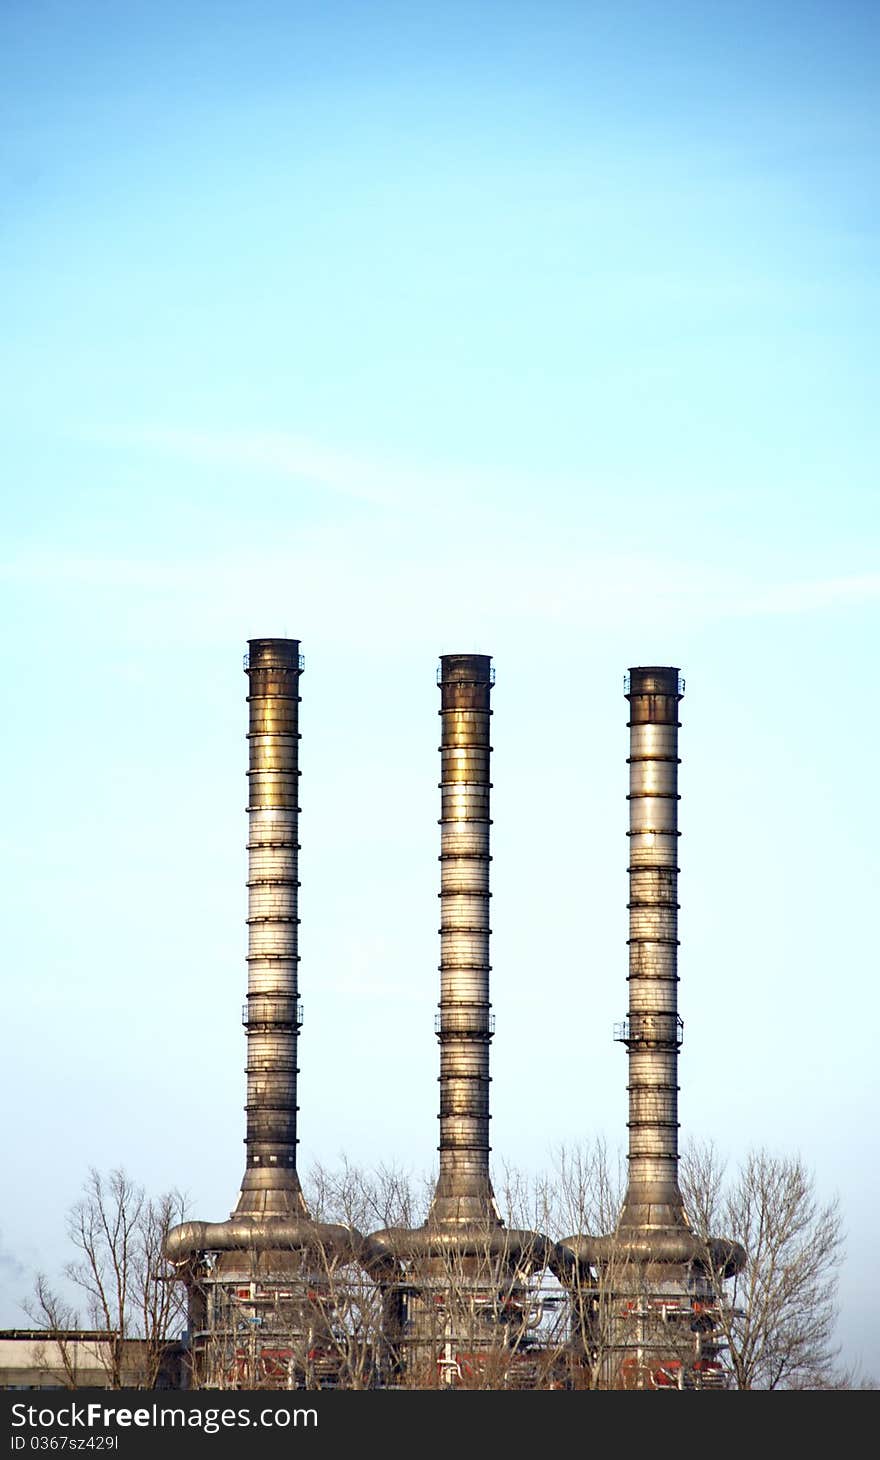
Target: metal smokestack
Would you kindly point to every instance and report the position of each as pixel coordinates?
(652, 1032)
(272, 1015)
(646, 1294)
(270, 1248)
(464, 1024)
(463, 1286)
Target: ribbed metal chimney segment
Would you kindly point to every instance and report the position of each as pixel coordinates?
(637, 1291)
(266, 1288)
(653, 1030)
(462, 1292)
(464, 1025)
(272, 1014)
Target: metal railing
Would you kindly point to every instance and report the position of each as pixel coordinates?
(650, 1029)
(462, 1021)
(246, 663)
(626, 683)
(272, 1009)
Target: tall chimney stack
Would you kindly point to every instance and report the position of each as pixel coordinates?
(464, 1025)
(462, 1287)
(647, 1295)
(263, 1286)
(652, 1032)
(272, 1013)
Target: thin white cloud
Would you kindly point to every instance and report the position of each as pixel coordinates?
(405, 595)
(403, 571)
(390, 483)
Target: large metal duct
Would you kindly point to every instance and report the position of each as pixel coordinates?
(464, 1024)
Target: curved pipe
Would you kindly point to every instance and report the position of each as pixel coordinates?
(242, 1234)
(397, 1244)
(718, 1255)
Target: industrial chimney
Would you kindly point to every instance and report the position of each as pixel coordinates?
(270, 1264)
(654, 1263)
(458, 1288)
(652, 1031)
(272, 1014)
(464, 1025)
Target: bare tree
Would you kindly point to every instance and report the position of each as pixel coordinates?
(366, 1200)
(132, 1300)
(469, 1316)
(305, 1312)
(295, 1316)
(58, 1352)
(779, 1314)
(318, 1315)
(472, 1311)
(583, 1195)
(852, 1377)
(359, 1343)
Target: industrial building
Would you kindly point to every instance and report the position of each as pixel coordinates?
(277, 1299)
(82, 1358)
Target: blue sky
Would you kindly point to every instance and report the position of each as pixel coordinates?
(546, 331)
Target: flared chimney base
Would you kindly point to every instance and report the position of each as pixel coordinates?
(270, 1193)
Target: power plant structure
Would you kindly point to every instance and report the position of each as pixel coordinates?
(278, 1299)
(263, 1286)
(465, 1291)
(650, 1288)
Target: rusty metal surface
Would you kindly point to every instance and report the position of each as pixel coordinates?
(464, 1192)
(653, 1227)
(271, 1187)
(652, 1033)
(270, 1214)
(463, 1225)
